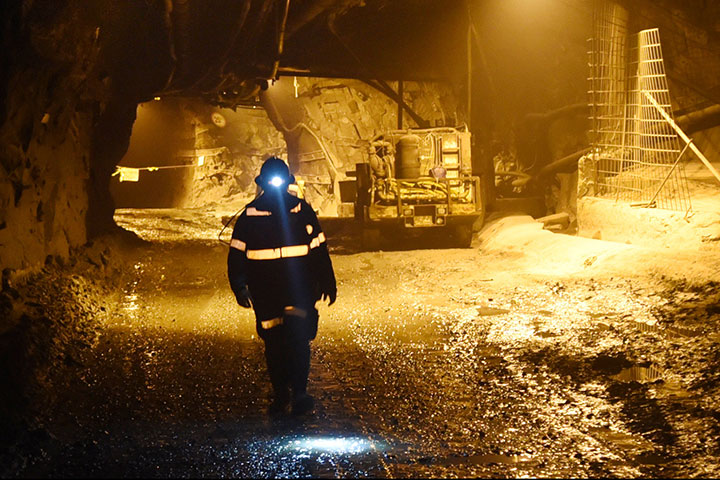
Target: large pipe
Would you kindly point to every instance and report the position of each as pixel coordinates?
(401, 96)
(699, 120)
(692, 122)
(287, 116)
(281, 40)
(567, 110)
(569, 162)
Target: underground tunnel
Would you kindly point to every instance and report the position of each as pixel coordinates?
(519, 200)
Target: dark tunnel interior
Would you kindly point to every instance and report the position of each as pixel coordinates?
(519, 199)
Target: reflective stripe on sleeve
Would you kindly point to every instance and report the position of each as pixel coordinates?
(254, 212)
(315, 242)
(238, 244)
(273, 322)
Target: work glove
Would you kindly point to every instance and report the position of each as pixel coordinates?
(329, 294)
(243, 297)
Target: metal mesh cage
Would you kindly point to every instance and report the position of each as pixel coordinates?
(637, 152)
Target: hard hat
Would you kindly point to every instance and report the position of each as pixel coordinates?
(274, 173)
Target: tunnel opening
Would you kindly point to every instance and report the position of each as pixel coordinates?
(187, 153)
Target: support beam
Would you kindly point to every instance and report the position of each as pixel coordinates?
(383, 87)
(682, 135)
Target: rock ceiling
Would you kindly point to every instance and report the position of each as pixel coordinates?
(222, 49)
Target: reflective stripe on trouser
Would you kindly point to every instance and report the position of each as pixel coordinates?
(273, 322)
(295, 312)
(289, 310)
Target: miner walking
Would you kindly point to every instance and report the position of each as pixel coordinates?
(279, 265)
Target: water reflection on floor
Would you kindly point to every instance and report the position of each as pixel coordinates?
(433, 363)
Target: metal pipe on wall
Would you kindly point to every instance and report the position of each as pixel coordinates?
(400, 105)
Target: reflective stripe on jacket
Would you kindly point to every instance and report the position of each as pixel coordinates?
(281, 252)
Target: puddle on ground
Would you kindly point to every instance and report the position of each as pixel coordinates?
(540, 329)
(546, 334)
(631, 444)
(488, 311)
(650, 459)
(668, 331)
(639, 374)
(668, 387)
(623, 440)
(487, 459)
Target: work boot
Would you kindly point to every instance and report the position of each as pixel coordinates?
(302, 404)
(279, 404)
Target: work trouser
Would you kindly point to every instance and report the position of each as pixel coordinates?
(287, 350)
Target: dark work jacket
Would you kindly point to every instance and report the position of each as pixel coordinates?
(279, 251)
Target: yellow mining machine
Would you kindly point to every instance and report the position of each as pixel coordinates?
(416, 179)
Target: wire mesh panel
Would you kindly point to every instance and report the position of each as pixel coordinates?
(638, 154)
(608, 81)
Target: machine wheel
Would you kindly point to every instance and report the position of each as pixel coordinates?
(463, 235)
(370, 238)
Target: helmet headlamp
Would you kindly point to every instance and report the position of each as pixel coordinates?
(276, 181)
(274, 174)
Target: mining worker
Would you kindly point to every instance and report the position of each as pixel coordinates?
(279, 265)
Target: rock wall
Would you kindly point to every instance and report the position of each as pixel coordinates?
(346, 114)
(247, 138)
(45, 131)
(71, 74)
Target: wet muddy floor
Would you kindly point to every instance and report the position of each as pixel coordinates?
(432, 363)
